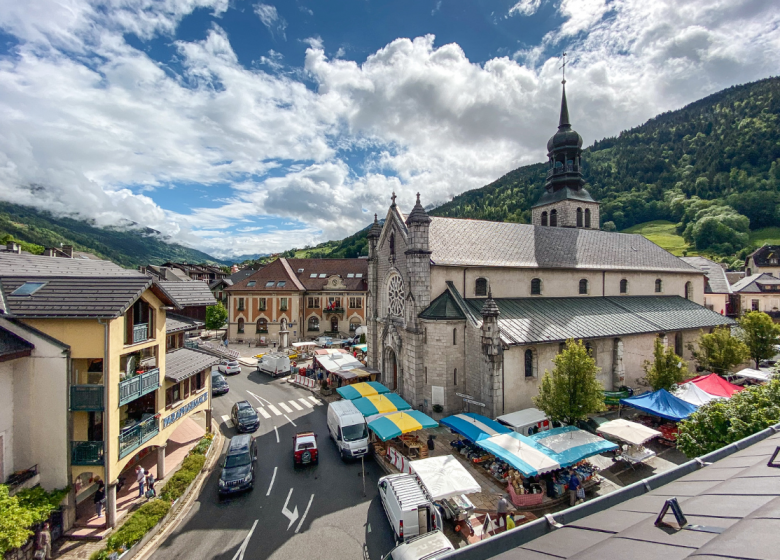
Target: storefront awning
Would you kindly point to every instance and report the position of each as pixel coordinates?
(397, 423)
(444, 477)
(359, 390)
(570, 445)
(520, 452)
(472, 426)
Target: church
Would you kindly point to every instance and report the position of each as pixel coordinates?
(478, 308)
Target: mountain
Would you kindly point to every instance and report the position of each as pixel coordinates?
(712, 168)
(128, 247)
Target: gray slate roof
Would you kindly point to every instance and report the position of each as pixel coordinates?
(748, 283)
(546, 320)
(13, 346)
(459, 242)
(190, 294)
(184, 362)
(717, 281)
(24, 265)
(735, 493)
(178, 323)
(565, 193)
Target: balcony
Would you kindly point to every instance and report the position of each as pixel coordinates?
(86, 453)
(138, 386)
(140, 333)
(135, 436)
(86, 397)
(334, 310)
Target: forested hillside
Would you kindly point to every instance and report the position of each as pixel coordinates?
(712, 168)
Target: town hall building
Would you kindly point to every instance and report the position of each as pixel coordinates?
(481, 308)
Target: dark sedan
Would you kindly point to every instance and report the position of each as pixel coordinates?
(219, 386)
(244, 417)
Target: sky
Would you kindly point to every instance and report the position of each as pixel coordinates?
(240, 127)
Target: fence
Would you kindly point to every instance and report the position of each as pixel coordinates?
(305, 381)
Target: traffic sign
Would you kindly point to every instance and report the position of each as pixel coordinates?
(464, 396)
(474, 402)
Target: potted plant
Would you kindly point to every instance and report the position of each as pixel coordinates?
(325, 388)
(437, 411)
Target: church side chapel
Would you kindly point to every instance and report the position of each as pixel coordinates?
(482, 308)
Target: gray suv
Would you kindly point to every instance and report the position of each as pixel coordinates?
(238, 468)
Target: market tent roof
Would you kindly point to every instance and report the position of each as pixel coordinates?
(522, 453)
(444, 477)
(691, 393)
(523, 417)
(570, 445)
(359, 390)
(303, 344)
(397, 423)
(714, 384)
(338, 362)
(661, 403)
(379, 404)
(630, 432)
(471, 425)
(757, 374)
(361, 347)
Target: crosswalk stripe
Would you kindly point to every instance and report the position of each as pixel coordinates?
(285, 407)
(314, 400)
(274, 410)
(295, 405)
(264, 413)
(306, 403)
(228, 422)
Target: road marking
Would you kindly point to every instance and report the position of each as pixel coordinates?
(315, 400)
(298, 528)
(285, 407)
(274, 410)
(264, 413)
(272, 483)
(240, 552)
(228, 422)
(277, 434)
(291, 515)
(291, 422)
(306, 403)
(295, 405)
(261, 400)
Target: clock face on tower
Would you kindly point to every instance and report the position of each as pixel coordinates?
(395, 296)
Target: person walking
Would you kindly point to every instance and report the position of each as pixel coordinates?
(140, 476)
(150, 491)
(503, 508)
(100, 498)
(43, 544)
(574, 484)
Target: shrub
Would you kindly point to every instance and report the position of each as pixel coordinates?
(438, 408)
(134, 529)
(178, 483)
(203, 445)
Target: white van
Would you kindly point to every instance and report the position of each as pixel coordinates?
(526, 422)
(423, 547)
(348, 429)
(274, 363)
(409, 509)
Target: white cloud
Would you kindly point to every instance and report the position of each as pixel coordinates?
(525, 7)
(275, 23)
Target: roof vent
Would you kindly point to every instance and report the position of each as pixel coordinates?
(300, 271)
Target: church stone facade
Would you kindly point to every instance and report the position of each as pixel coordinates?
(469, 307)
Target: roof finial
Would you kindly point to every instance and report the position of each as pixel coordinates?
(563, 67)
(393, 198)
(375, 218)
(564, 120)
(418, 198)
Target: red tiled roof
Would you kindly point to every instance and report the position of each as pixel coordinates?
(347, 269)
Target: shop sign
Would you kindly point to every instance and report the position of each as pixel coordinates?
(184, 409)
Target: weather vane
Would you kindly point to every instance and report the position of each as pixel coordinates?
(563, 67)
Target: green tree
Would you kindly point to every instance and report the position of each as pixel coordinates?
(722, 422)
(572, 391)
(216, 316)
(14, 520)
(719, 351)
(760, 334)
(666, 369)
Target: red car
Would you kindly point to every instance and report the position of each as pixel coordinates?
(305, 449)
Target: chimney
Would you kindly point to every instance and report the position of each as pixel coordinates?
(48, 252)
(14, 247)
(68, 250)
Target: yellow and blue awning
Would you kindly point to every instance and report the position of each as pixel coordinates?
(380, 404)
(397, 423)
(358, 390)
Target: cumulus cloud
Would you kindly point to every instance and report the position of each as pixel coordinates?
(525, 7)
(275, 23)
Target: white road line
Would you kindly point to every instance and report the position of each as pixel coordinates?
(274, 410)
(228, 422)
(285, 407)
(264, 413)
(240, 552)
(295, 405)
(272, 483)
(261, 400)
(306, 403)
(300, 523)
(315, 400)
(291, 422)
(277, 434)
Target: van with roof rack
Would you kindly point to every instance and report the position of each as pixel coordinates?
(409, 509)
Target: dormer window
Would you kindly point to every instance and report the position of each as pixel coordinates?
(270, 283)
(251, 284)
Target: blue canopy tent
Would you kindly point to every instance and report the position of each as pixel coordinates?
(661, 403)
(570, 445)
(520, 452)
(471, 425)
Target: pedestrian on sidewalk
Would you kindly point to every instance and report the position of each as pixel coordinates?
(503, 508)
(150, 491)
(140, 476)
(43, 544)
(100, 498)
(574, 484)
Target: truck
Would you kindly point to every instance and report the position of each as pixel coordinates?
(409, 509)
(274, 363)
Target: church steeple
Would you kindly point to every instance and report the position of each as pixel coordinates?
(564, 120)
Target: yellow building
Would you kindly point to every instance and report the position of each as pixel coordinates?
(126, 392)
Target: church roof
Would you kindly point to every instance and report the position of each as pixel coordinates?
(717, 282)
(565, 193)
(544, 320)
(459, 242)
(443, 308)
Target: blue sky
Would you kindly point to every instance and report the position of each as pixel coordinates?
(242, 127)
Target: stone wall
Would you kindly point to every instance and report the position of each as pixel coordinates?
(567, 213)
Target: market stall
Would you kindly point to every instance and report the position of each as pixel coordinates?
(691, 393)
(661, 403)
(569, 445)
(634, 435)
(526, 422)
(472, 426)
(398, 426)
(340, 367)
(756, 375)
(522, 453)
(380, 404)
(715, 385)
(444, 477)
(359, 390)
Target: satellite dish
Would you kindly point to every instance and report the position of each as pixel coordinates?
(130, 368)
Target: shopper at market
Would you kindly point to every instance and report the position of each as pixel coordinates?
(574, 484)
(503, 508)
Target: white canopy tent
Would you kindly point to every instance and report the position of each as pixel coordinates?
(444, 477)
(304, 344)
(522, 418)
(755, 374)
(691, 393)
(630, 432)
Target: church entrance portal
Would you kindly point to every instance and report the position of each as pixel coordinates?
(334, 324)
(391, 370)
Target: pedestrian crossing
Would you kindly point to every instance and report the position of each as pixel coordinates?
(285, 407)
(300, 404)
(295, 405)
(263, 413)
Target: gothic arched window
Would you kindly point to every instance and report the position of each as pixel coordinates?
(314, 324)
(579, 217)
(659, 286)
(624, 286)
(544, 218)
(481, 287)
(689, 290)
(240, 326)
(587, 217)
(583, 286)
(554, 218)
(536, 287)
(529, 363)
(395, 296)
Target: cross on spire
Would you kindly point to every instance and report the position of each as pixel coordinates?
(393, 198)
(563, 67)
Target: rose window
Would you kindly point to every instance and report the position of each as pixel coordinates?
(395, 296)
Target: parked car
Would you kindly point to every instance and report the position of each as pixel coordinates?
(305, 449)
(423, 547)
(229, 367)
(238, 468)
(409, 509)
(245, 417)
(274, 363)
(219, 386)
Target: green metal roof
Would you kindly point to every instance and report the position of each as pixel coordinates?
(565, 193)
(443, 308)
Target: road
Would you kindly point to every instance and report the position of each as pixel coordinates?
(310, 512)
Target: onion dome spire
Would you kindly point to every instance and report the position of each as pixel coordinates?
(418, 214)
(376, 229)
(490, 308)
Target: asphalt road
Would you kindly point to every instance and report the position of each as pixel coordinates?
(310, 512)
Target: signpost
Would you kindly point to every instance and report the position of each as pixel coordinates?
(468, 399)
(461, 395)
